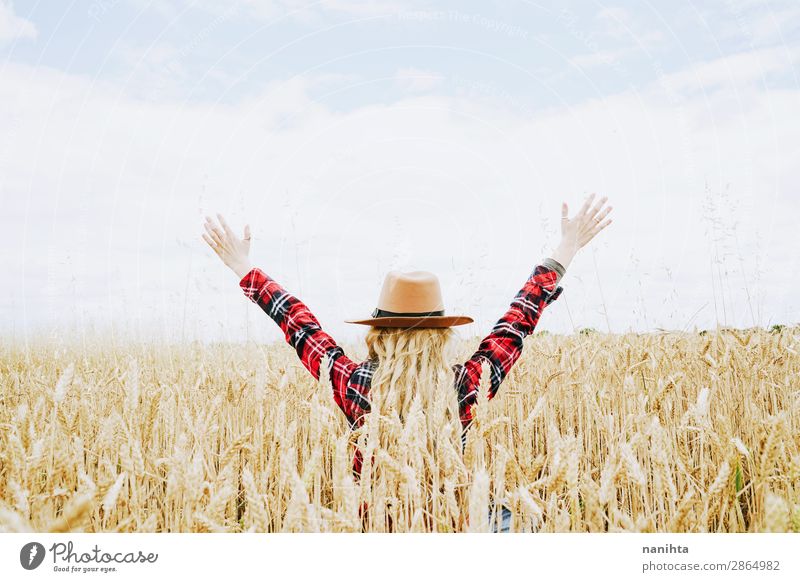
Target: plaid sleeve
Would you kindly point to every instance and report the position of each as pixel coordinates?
(303, 333)
(503, 346)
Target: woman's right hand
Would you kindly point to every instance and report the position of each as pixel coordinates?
(233, 251)
(583, 227)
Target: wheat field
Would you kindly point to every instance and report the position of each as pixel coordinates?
(663, 432)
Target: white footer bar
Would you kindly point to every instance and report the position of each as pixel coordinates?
(408, 557)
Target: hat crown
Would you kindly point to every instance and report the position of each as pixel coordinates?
(410, 292)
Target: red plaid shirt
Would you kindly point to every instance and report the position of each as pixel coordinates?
(351, 380)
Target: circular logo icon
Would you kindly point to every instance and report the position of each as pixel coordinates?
(31, 555)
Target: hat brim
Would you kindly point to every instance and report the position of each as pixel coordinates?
(420, 322)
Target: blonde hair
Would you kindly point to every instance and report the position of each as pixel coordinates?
(411, 439)
(412, 363)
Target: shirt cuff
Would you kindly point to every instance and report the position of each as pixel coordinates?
(541, 276)
(253, 283)
(553, 264)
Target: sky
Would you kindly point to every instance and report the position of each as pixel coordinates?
(358, 137)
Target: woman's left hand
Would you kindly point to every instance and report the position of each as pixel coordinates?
(576, 232)
(233, 251)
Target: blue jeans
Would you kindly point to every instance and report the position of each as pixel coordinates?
(501, 523)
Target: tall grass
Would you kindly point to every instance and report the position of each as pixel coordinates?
(670, 432)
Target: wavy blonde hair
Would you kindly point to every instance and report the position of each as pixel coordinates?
(412, 363)
(411, 439)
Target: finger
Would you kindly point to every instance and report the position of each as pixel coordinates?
(597, 207)
(603, 214)
(601, 226)
(564, 211)
(211, 223)
(217, 233)
(246, 232)
(216, 236)
(600, 203)
(598, 217)
(221, 243)
(211, 243)
(212, 231)
(585, 206)
(228, 229)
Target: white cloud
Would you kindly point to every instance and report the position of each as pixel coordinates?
(414, 80)
(601, 58)
(366, 7)
(734, 70)
(756, 22)
(615, 37)
(111, 189)
(304, 11)
(12, 27)
(620, 24)
(776, 24)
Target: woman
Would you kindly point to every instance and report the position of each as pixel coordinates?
(406, 397)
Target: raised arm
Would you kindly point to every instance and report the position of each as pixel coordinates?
(300, 328)
(503, 346)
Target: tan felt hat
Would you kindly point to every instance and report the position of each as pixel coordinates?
(412, 299)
